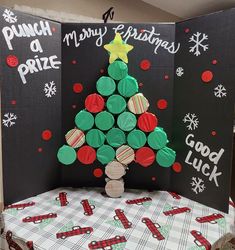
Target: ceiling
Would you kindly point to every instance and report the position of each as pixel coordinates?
(191, 8)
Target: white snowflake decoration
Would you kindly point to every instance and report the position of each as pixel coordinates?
(197, 39)
(192, 121)
(198, 185)
(50, 89)
(179, 71)
(9, 16)
(220, 91)
(9, 119)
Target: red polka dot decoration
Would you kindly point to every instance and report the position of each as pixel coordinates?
(145, 156)
(12, 61)
(166, 77)
(102, 71)
(162, 104)
(141, 84)
(74, 106)
(207, 76)
(214, 62)
(77, 87)
(147, 122)
(94, 103)
(98, 172)
(46, 135)
(74, 62)
(13, 102)
(213, 133)
(86, 155)
(39, 150)
(177, 167)
(153, 178)
(186, 30)
(145, 64)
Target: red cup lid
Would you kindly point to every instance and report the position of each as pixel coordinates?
(86, 155)
(145, 156)
(94, 103)
(147, 122)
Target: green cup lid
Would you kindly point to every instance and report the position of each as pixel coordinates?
(104, 120)
(105, 154)
(95, 138)
(116, 104)
(105, 86)
(128, 86)
(117, 70)
(136, 139)
(84, 120)
(115, 137)
(165, 157)
(126, 121)
(66, 155)
(157, 139)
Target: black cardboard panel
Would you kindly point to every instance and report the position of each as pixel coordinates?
(214, 113)
(29, 163)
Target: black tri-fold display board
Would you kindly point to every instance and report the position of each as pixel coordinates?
(184, 70)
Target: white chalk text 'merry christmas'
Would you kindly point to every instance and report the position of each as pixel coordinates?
(145, 35)
(85, 34)
(198, 164)
(150, 36)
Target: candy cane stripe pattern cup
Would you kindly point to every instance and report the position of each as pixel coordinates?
(138, 104)
(75, 138)
(125, 154)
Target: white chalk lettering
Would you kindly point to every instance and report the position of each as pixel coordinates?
(215, 157)
(37, 64)
(214, 175)
(25, 30)
(198, 164)
(35, 46)
(76, 39)
(150, 36)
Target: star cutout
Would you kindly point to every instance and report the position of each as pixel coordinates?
(118, 49)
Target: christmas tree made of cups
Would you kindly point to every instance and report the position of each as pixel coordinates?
(115, 127)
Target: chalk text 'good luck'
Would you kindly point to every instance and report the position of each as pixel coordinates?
(214, 157)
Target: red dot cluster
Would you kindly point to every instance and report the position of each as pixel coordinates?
(207, 76)
(12, 61)
(162, 104)
(213, 133)
(214, 62)
(77, 87)
(177, 167)
(98, 172)
(46, 135)
(145, 64)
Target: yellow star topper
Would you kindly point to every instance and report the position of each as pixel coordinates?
(118, 49)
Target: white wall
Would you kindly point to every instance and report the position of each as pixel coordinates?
(125, 10)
